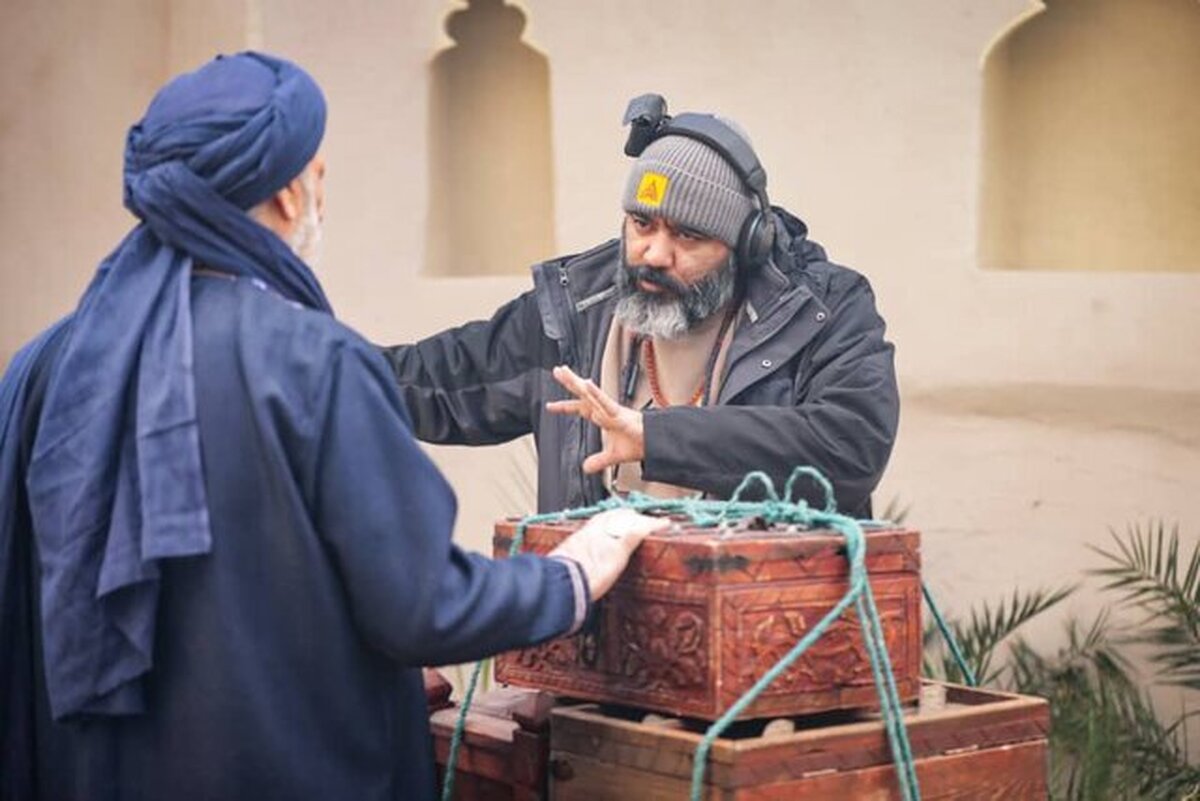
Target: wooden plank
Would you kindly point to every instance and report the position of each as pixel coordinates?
(497, 752)
(437, 690)
(995, 719)
(488, 772)
(468, 787)
(531, 754)
(581, 778)
(765, 765)
(487, 748)
(1008, 773)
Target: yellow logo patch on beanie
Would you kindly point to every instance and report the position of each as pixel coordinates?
(652, 189)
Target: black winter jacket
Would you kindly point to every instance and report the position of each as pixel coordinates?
(809, 380)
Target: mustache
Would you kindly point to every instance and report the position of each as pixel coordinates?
(636, 273)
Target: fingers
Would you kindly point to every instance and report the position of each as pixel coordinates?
(584, 389)
(602, 399)
(642, 528)
(566, 407)
(647, 525)
(627, 524)
(614, 519)
(604, 409)
(590, 403)
(629, 527)
(588, 411)
(570, 381)
(598, 461)
(603, 546)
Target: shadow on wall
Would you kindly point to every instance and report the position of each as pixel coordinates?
(1091, 132)
(491, 184)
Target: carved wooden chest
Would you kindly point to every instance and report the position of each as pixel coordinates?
(967, 744)
(701, 614)
(505, 746)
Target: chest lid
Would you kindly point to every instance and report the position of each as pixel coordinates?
(748, 551)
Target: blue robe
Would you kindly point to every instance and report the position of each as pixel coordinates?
(286, 658)
(222, 556)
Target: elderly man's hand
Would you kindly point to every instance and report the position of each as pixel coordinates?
(603, 546)
(624, 440)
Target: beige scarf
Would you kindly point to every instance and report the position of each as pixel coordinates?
(681, 364)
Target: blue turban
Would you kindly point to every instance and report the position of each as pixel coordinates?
(115, 482)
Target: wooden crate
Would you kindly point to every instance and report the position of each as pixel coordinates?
(505, 746)
(701, 614)
(976, 745)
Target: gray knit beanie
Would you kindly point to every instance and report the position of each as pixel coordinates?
(690, 184)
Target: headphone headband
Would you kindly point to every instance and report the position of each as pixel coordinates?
(648, 120)
(716, 134)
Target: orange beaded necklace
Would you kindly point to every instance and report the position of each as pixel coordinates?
(697, 399)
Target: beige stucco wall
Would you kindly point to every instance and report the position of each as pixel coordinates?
(1039, 407)
(1090, 107)
(71, 82)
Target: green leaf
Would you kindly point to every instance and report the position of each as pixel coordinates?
(1146, 571)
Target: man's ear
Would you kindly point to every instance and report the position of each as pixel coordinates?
(288, 201)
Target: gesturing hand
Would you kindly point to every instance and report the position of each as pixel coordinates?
(624, 440)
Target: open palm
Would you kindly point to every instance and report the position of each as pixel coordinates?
(624, 440)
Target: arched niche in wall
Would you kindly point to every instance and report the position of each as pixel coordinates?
(1091, 138)
(491, 183)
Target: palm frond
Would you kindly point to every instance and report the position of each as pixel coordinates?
(1106, 739)
(1147, 572)
(895, 511)
(989, 626)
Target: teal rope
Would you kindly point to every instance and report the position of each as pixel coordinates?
(889, 695)
(815, 474)
(460, 724)
(786, 510)
(948, 636)
(859, 593)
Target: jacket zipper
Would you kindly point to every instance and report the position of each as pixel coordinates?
(576, 353)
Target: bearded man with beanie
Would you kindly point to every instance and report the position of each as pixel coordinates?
(710, 339)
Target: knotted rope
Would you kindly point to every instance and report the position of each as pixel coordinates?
(787, 510)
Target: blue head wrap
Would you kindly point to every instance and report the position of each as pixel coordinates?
(115, 482)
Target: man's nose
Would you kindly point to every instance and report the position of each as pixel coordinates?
(660, 252)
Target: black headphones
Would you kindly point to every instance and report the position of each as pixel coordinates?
(647, 118)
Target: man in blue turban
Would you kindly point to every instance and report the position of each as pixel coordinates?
(223, 557)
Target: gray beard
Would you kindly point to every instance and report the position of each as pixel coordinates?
(305, 240)
(676, 311)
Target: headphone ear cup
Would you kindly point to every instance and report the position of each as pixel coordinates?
(755, 240)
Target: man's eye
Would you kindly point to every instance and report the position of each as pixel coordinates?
(691, 236)
(639, 221)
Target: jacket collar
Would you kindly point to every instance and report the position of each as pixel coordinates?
(583, 283)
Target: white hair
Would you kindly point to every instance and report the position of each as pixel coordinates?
(305, 239)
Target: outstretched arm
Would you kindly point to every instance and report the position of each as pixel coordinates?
(843, 420)
(476, 384)
(387, 514)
